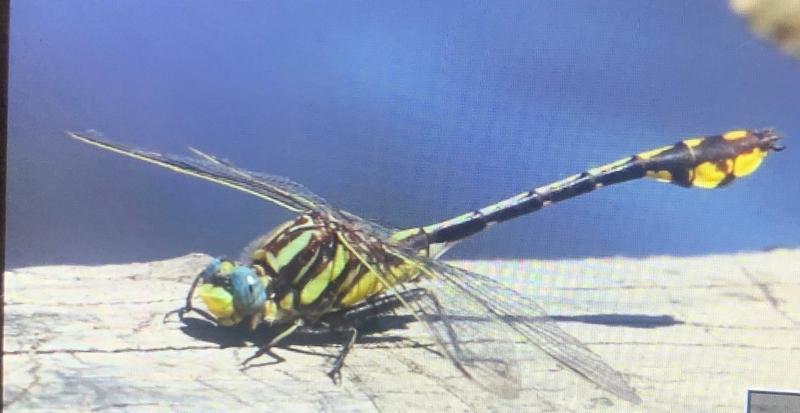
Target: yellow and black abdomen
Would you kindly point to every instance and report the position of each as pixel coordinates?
(703, 162)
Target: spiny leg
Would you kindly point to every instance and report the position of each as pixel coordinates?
(335, 373)
(188, 306)
(267, 348)
(388, 303)
(367, 311)
(361, 313)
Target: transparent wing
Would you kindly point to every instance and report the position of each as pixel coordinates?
(279, 190)
(369, 226)
(487, 330)
(463, 291)
(276, 189)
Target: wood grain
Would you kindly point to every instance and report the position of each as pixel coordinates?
(691, 334)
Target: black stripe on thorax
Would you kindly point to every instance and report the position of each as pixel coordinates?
(337, 290)
(324, 253)
(317, 252)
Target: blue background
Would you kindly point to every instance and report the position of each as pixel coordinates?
(404, 112)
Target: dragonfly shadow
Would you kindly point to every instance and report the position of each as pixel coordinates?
(621, 320)
(610, 320)
(373, 330)
(240, 336)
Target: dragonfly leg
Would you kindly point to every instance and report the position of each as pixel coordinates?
(335, 373)
(267, 348)
(188, 306)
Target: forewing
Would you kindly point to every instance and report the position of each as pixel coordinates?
(452, 325)
(506, 313)
(279, 190)
(486, 354)
(486, 329)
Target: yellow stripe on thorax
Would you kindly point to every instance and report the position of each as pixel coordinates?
(313, 288)
(283, 256)
(370, 285)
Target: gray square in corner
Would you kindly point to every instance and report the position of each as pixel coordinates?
(769, 401)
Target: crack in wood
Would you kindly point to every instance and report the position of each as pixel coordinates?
(766, 291)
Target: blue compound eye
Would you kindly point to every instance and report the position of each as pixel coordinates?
(249, 293)
(211, 270)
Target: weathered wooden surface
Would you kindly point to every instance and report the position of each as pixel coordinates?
(691, 334)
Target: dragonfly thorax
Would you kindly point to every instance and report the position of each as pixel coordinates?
(315, 265)
(301, 269)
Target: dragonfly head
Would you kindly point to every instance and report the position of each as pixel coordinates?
(233, 292)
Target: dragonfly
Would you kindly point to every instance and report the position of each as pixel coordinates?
(319, 269)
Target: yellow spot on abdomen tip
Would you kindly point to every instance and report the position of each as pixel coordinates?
(735, 134)
(663, 176)
(747, 163)
(710, 174)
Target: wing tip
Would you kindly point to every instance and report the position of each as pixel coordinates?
(630, 396)
(90, 135)
(73, 135)
(622, 389)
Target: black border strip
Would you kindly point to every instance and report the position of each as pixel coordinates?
(751, 392)
(4, 17)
